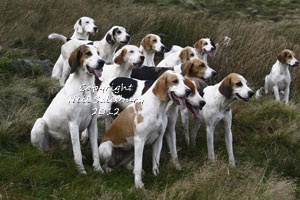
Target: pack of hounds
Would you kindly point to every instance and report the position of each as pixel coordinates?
(179, 83)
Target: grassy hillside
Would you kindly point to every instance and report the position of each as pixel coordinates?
(266, 133)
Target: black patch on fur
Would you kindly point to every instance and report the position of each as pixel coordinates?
(126, 87)
(167, 49)
(114, 32)
(109, 39)
(148, 73)
(203, 85)
(147, 85)
(79, 22)
(90, 43)
(212, 43)
(68, 39)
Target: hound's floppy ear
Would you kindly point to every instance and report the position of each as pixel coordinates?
(184, 55)
(74, 60)
(160, 88)
(120, 58)
(146, 43)
(109, 39)
(198, 45)
(281, 57)
(225, 87)
(185, 68)
(78, 26)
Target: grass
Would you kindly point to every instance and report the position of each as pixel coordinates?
(266, 136)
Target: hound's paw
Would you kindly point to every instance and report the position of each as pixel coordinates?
(99, 169)
(178, 167)
(155, 171)
(82, 171)
(232, 163)
(108, 169)
(139, 184)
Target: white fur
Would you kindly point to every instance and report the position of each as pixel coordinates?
(64, 118)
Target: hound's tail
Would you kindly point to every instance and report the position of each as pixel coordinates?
(258, 92)
(64, 39)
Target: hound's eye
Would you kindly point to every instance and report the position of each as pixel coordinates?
(239, 84)
(98, 53)
(175, 81)
(87, 22)
(205, 43)
(131, 51)
(192, 55)
(202, 65)
(88, 53)
(119, 32)
(155, 40)
(289, 56)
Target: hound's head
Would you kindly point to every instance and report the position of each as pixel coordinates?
(86, 58)
(85, 25)
(171, 85)
(197, 68)
(117, 35)
(152, 42)
(129, 55)
(194, 101)
(205, 46)
(288, 57)
(187, 53)
(235, 86)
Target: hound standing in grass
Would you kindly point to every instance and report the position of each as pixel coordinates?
(83, 28)
(66, 117)
(218, 100)
(279, 80)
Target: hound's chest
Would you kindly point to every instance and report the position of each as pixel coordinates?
(282, 83)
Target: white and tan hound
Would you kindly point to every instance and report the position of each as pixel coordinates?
(66, 116)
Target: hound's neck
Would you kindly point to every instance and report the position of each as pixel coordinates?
(149, 58)
(153, 102)
(203, 56)
(80, 36)
(80, 77)
(283, 68)
(106, 50)
(123, 70)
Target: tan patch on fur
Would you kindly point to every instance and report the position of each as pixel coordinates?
(140, 119)
(285, 56)
(188, 82)
(122, 128)
(161, 85)
(148, 42)
(77, 57)
(228, 84)
(199, 45)
(185, 54)
(138, 106)
(194, 68)
(120, 58)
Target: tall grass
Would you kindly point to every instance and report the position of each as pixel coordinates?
(266, 136)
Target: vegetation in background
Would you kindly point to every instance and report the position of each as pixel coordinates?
(266, 133)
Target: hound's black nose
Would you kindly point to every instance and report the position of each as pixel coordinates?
(100, 63)
(188, 92)
(142, 58)
(202, 104)
(214, 73)
(128, 37)
(95, 29)
(163, 49)
(250, 93)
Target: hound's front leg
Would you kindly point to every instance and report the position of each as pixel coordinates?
(74, 131)
(276, 92)
(196, 126)
(156, 150)
(228, 138)
(287, 94)
(138, 161)
(210, 141)
(93, 135)
(185, 122)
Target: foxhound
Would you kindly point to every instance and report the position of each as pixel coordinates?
(66, 116)
(279, 79)
(203, 47)
(176, 58)
(139, 125)
(149, 46)
(83, 28)
(218, 100)
(106, 47)
(133, 90)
